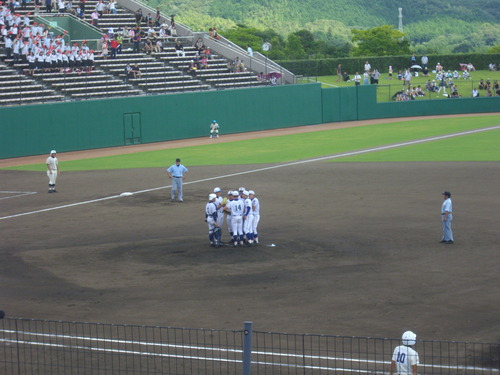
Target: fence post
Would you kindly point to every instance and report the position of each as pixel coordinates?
(247, 349)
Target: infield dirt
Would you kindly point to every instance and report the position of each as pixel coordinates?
(357, 251)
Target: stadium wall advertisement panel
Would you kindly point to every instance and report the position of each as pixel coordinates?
(83, 125)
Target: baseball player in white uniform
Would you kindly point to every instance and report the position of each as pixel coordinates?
(220, 206)
(228, 213)
(52, 171)
(214, 129)
(236, 207)
(211, 220)
(248, 218)
(404, 359)
(255, 216)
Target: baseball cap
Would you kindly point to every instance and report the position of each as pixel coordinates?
(241, 189)
(211, 196)
(251, 192)
(235, 193)
(214, 121)
(245, 192)
(177, 159)
(217, 190)
(53, 152)
(447, 193)
(229, 192)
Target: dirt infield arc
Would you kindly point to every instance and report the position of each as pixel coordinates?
(356, 252)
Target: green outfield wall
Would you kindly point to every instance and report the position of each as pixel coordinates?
(83, 125)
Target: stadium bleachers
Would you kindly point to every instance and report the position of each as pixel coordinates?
(161, 72)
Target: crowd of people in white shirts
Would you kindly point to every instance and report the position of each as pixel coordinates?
(32, 43)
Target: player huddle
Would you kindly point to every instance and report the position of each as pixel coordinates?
(241, 208)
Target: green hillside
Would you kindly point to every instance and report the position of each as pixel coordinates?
(463, 25)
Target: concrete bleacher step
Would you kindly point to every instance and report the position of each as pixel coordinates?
(97, 94)
(32, 100)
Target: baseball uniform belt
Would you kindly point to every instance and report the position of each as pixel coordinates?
(177, 176)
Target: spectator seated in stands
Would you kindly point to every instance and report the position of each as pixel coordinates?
(179, 49)
(193, 67)
(128, 72)
(204, 63)
(207, 53)
(148, 46)
(199, 46)
(419, 92)
(482, 84)
(466, 74)
(261, 77)
(136, 71)
(157, 44)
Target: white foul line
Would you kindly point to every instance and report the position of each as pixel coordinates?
(18, 194)
(336, 156)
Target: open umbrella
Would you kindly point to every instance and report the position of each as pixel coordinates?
(415, 67)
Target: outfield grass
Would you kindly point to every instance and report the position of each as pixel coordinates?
(388, 87)
(308, 145)
(473, 147)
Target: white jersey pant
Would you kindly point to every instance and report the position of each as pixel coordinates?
(255, 223)
(237, 225)
(248, 224)
(211, 224)
(52, 176)
(220, 218)
(229, 223)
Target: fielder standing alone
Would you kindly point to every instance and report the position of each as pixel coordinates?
(447, 218)
(214, 129)
(52, 171)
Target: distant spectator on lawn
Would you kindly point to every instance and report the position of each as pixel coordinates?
(475, 93)
(357, 79)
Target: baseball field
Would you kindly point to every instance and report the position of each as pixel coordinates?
(353, 212)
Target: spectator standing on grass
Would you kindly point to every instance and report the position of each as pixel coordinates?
(475, 93)
(368, 67)
(177, 172)
(405, 359)
(425, 61)
(249, 50)
(366, 78)
(357, 79)
(407, 78)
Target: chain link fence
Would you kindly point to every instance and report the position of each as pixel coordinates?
(55, 347)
